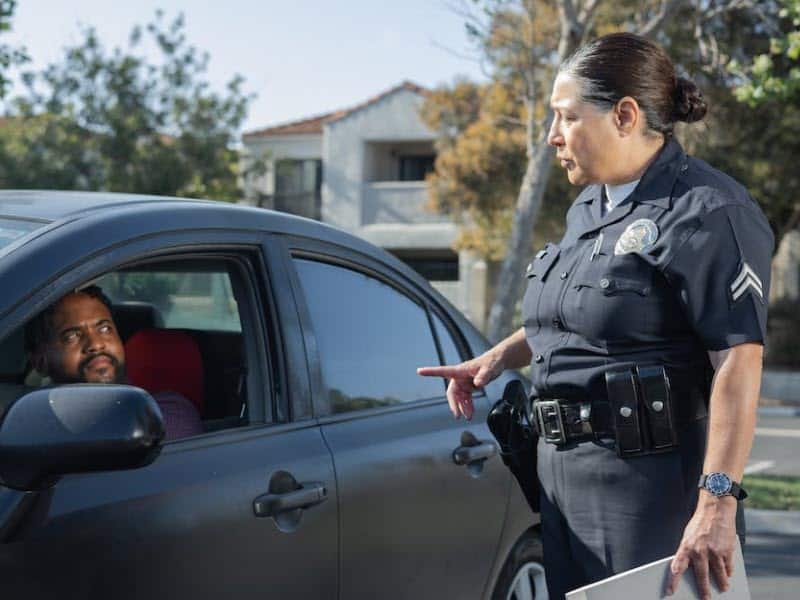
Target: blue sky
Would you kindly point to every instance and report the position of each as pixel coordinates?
(301, 57)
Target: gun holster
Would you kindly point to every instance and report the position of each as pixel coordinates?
(508, 421)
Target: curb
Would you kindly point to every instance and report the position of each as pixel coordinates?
(772, 522)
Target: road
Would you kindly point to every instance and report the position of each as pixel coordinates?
(775, 449)
(771, 557)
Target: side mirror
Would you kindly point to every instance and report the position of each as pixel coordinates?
(76, 429)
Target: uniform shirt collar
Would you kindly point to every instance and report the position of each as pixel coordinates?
(655, 186)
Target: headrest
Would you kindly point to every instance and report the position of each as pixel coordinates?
(132, 315)
(166, 360)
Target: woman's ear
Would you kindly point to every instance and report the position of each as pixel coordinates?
(626, 116)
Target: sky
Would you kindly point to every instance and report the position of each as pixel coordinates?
(301, 57)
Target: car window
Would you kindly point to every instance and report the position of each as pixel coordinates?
(450, 352)
(370, 338)
(184, 298)
(179, 324)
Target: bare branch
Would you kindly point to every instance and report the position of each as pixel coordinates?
(655, 22)
(586, 13)
(707, 15)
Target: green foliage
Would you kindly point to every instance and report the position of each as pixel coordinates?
(774, 75)
(110, 120)
(8, 56)
(772, 492)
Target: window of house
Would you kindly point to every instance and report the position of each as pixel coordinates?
(416, 167)
(298, 185)
(370, 337)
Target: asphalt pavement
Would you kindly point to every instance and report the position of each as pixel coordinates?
(772, 548)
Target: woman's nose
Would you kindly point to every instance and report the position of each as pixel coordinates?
(554, 137)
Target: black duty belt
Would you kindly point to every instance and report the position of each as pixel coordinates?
(643, 408)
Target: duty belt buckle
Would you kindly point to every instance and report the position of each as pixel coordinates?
(551, 424)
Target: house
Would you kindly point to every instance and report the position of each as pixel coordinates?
(363, 169)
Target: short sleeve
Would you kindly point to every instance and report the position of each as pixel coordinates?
(722, 273)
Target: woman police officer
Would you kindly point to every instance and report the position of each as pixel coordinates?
(659, 283)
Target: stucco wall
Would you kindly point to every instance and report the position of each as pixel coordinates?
(786, 268)
(393, 118)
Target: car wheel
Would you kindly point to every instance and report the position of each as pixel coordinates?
(522, 577)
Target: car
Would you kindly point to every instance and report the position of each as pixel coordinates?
(326, 468)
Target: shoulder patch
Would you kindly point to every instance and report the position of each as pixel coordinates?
(745, 281)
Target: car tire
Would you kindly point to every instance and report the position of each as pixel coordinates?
(522, 577)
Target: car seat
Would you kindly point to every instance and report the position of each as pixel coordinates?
(166, 360)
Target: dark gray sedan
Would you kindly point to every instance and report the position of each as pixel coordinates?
(325, 467)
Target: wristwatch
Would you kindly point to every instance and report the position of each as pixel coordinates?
(719, 484)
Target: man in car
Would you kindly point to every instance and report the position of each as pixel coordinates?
(74, 340)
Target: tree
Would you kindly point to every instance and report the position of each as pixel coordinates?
(112, 121)
(9, 56)
(774, 75)
(521, 43)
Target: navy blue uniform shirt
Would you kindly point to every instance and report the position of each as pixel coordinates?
(679, 268)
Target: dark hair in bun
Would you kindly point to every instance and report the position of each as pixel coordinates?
(625, 64)
(690, 106)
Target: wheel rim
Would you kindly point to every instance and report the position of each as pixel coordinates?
(528, 583)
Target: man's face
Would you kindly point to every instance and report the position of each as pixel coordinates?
(84, 346)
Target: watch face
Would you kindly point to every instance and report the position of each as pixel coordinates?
(718, 484)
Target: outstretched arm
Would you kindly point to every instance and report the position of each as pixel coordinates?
(466, 377)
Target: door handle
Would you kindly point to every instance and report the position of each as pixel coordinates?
(464, 455)
(270, 505)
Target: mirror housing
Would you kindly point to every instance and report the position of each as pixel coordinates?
(77, 429)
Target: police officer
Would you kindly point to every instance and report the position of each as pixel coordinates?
(659, 284)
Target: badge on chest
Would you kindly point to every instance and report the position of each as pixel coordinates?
(637, 236)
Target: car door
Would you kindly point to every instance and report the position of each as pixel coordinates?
(243, 512)
(415, 521)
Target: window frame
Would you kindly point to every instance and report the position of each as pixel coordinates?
(245, 250)
(344, 257)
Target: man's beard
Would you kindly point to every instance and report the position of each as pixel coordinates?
(59, 376)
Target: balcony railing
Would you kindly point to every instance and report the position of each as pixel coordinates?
(398, 202)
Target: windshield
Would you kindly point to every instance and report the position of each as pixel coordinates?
(12, 229)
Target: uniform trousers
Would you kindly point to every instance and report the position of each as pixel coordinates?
(602, 514)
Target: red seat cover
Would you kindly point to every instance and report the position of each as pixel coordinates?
(166, 360)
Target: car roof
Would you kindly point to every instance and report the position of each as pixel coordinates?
(50, 205)
(76, 208)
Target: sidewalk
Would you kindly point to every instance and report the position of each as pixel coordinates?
(772, 522)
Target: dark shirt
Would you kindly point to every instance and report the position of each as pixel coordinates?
(702, 284)
(181, 418)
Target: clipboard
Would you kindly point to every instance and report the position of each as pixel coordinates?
(649, 581)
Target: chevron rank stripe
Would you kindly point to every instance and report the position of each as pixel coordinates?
(746, 280)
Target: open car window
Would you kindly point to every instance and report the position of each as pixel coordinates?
(180, 323)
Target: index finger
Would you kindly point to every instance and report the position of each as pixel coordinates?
(449, 371)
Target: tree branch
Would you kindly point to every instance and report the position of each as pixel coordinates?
(655, 22)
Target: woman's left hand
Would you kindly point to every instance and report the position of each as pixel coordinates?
(708, 544)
